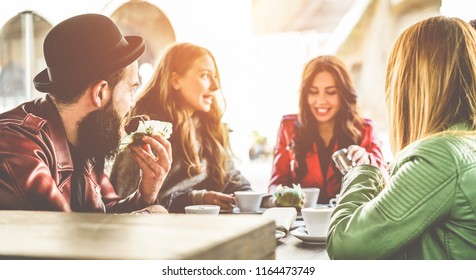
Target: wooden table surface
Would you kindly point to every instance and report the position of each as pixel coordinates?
(291, 248)
(53, 235)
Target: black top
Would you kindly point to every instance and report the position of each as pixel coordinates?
(325, 153)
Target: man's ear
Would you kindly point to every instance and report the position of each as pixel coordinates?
(100, 93)
(174, 80)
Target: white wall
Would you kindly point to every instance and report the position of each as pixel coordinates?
(463, 9)
(53, 11)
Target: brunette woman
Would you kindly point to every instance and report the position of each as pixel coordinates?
(328, 120)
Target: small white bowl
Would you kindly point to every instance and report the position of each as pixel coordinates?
(203, 209)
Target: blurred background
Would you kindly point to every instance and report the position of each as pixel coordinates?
(261, 47)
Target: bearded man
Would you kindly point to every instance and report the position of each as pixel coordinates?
(53, 149)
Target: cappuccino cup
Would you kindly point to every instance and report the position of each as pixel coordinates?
(310, 197)
(248, 201)
(317, 220)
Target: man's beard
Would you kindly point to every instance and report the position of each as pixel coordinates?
(99, 136)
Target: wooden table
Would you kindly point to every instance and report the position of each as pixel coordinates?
(53, 235)
(291, 248)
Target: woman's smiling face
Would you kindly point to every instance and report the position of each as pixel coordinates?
(324, 98)
(198, 85)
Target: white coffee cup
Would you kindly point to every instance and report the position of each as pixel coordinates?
(248, 201)
(317, 220)
(310, 197)
(202, 209)
(333, 201)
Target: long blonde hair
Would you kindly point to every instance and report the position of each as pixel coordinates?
(431, 80)
(161, 100)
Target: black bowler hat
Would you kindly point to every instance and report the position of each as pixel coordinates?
(84, 48)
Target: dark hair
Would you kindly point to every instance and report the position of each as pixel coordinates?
(473, 23)
(69, 95)
(349, 123)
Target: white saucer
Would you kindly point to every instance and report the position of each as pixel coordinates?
(279, 234)
(301, 233)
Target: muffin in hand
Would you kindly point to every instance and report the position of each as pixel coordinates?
(141, 125)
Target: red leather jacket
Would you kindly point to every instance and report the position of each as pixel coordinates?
(284, 162)
(36, 165)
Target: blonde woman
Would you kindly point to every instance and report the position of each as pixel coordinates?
(184, 90)
(427, 208)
